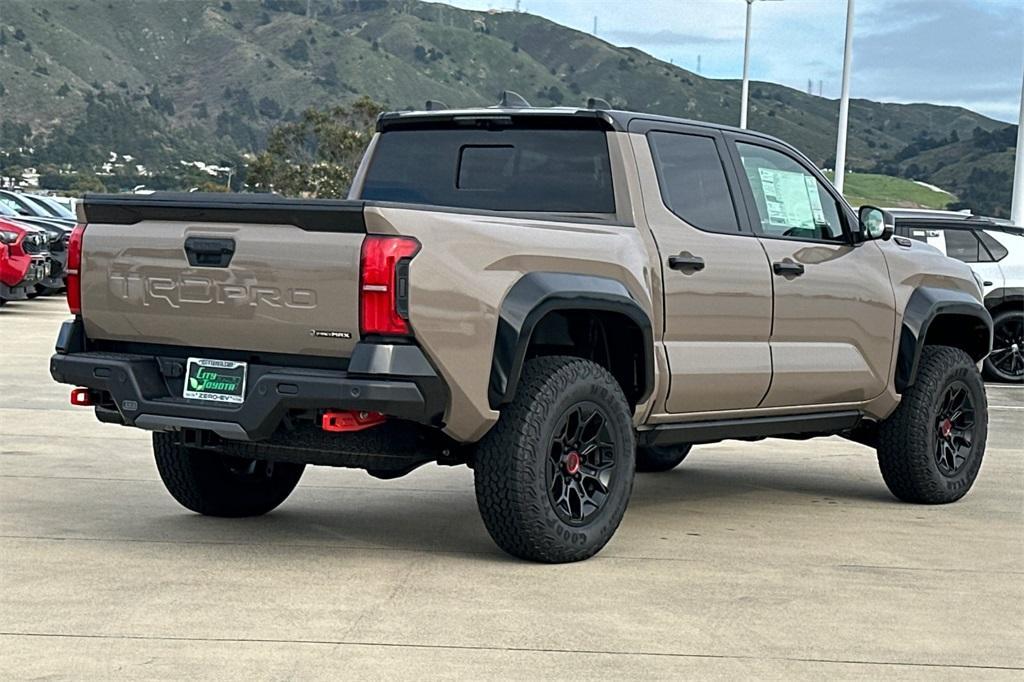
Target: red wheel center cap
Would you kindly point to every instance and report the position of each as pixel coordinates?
(572, 462)
(946, 428)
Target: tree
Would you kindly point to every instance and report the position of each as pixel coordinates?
(317, 155)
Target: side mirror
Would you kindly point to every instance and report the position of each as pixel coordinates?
(876, 223)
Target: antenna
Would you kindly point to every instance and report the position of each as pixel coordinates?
(512, 100)
(598, 103)
(435, 105)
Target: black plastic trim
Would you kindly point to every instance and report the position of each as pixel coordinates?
(923, 307)
(752, 427)
(538, 293)
(71, 337)
(138, 385)
(312, 215)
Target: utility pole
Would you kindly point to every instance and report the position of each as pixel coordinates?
(746, 67)
(844, 101)
(595, 24)
(698, 65)
(1017, 203)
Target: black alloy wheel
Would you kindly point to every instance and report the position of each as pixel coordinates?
(954, 429)
(581, 463)
(1006, 361)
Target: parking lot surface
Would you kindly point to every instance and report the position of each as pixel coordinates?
(772, 559)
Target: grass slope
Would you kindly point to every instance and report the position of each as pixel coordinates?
(889, 191)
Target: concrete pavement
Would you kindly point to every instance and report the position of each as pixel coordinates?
(774, 559)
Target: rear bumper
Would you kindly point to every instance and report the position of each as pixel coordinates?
(145, 390)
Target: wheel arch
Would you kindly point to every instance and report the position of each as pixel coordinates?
(1006, 298)
(935, 316)
(546, 312)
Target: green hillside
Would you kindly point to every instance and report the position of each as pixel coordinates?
(165, 80)
(891, 192)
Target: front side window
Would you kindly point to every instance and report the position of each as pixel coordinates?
(692, 180)
(791, 203)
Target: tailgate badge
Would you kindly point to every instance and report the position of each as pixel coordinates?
(329, 334)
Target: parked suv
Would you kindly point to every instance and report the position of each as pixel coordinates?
(995, 251)
(555, 297)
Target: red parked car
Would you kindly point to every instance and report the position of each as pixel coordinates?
(23, 260)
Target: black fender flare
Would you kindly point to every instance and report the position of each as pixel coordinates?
(538, 293)
(924, 306)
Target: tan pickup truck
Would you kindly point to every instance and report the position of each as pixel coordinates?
(556, 298)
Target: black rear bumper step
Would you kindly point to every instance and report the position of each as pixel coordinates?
(146, 395)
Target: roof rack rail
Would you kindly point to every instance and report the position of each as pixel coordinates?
(435, 105)
(598, 103)
(512, 100)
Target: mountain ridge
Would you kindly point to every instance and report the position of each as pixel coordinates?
(213, 77)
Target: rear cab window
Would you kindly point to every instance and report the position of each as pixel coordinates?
(510, 169)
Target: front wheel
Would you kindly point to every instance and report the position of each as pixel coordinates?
(1006, 361)
(930, 449)
(554, 475)
(215, 484)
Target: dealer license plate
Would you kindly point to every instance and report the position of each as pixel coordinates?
(221, 381)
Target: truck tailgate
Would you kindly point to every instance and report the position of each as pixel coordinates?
(255, 273)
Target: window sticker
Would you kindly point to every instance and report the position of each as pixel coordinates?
(791, 198)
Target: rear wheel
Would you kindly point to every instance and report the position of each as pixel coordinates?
(214, 484)
(1006, 361)
(658, 458)
(554, 475)
(930, 449)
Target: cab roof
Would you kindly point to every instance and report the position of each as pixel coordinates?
(606, 119)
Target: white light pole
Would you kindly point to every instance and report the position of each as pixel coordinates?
(1017, 202)
(746, 67)
(844, 101)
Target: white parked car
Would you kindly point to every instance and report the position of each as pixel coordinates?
(995, 251)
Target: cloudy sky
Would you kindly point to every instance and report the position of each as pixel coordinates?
(963, 52)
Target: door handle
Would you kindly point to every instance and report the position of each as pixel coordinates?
(787, 268)
(209, 253)
(686, 261)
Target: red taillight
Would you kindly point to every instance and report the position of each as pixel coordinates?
(74, 270)
(383, 290)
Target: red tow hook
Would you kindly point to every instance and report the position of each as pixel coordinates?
(340, 421)
(81, 397)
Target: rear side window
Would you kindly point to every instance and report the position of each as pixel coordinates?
(512, 169)
(997, 250)
(963, 245)
(692, 180)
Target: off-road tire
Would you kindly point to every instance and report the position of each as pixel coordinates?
(659, 458)
(1006, 334)
(213, 484)
(907, 439)
(512, 475)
